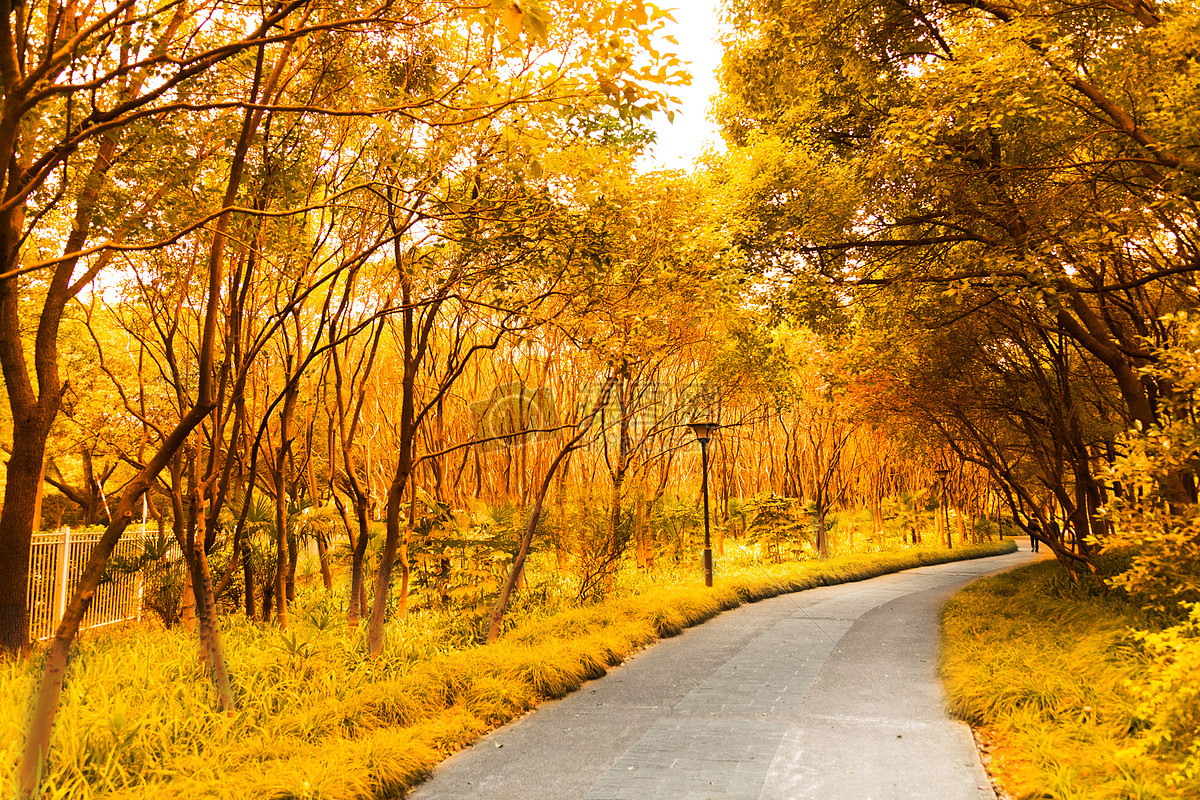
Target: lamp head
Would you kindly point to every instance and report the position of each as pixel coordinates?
(703, 430)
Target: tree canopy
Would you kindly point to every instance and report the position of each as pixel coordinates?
(380, 280)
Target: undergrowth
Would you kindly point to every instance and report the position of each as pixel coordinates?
(1077, 705)
(316, 719)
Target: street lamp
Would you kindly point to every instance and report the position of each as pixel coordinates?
(942, 473)
(704, 431)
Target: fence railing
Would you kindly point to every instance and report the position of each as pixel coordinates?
(56, 562)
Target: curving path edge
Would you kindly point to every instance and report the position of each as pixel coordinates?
(828, 694)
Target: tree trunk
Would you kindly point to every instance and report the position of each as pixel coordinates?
(639, 532)
(248, 579)
(357, 599)
(383, 578)
(612, 547)
(210, 635)
(268, 598)
(293, 546)
(414, 348)
(16, 538)
(323, 556)
(42, 710)
(405, 567)
(282, 555)
(822, 533)
(37, 503)
(877, 521)
(187, 597)
(518, 566)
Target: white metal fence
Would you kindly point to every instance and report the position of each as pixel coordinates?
(56, 562)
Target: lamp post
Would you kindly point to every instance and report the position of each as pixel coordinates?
(942, 473)
(704, 431)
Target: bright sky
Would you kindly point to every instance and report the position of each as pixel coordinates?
(680, 143)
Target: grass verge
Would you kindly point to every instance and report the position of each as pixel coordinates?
(317, 720)
(1051, 674)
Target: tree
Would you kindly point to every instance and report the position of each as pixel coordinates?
(112, 157)
(1161, 538)
(992, 157)
(87, 125)
(51, 135)
(581, 428)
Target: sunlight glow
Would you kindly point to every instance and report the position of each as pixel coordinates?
(680, 142)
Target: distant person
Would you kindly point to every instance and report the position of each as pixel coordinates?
(1035, 533)
(1053, 531)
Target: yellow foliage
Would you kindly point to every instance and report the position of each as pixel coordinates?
(1169, 700)
(1051, 674)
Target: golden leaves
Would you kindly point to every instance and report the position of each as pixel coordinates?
(512, 17)
(516, 17)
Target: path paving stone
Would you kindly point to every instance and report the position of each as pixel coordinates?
(694, 758)
(771, 674)
(829, 694)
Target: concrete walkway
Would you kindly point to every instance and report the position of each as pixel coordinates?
(830, 694)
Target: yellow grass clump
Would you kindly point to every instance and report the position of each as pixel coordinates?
(1050, 673)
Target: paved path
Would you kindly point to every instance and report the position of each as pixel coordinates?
(829, 694)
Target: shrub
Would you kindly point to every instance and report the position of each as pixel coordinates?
(1160, 534)
(1169, 700)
